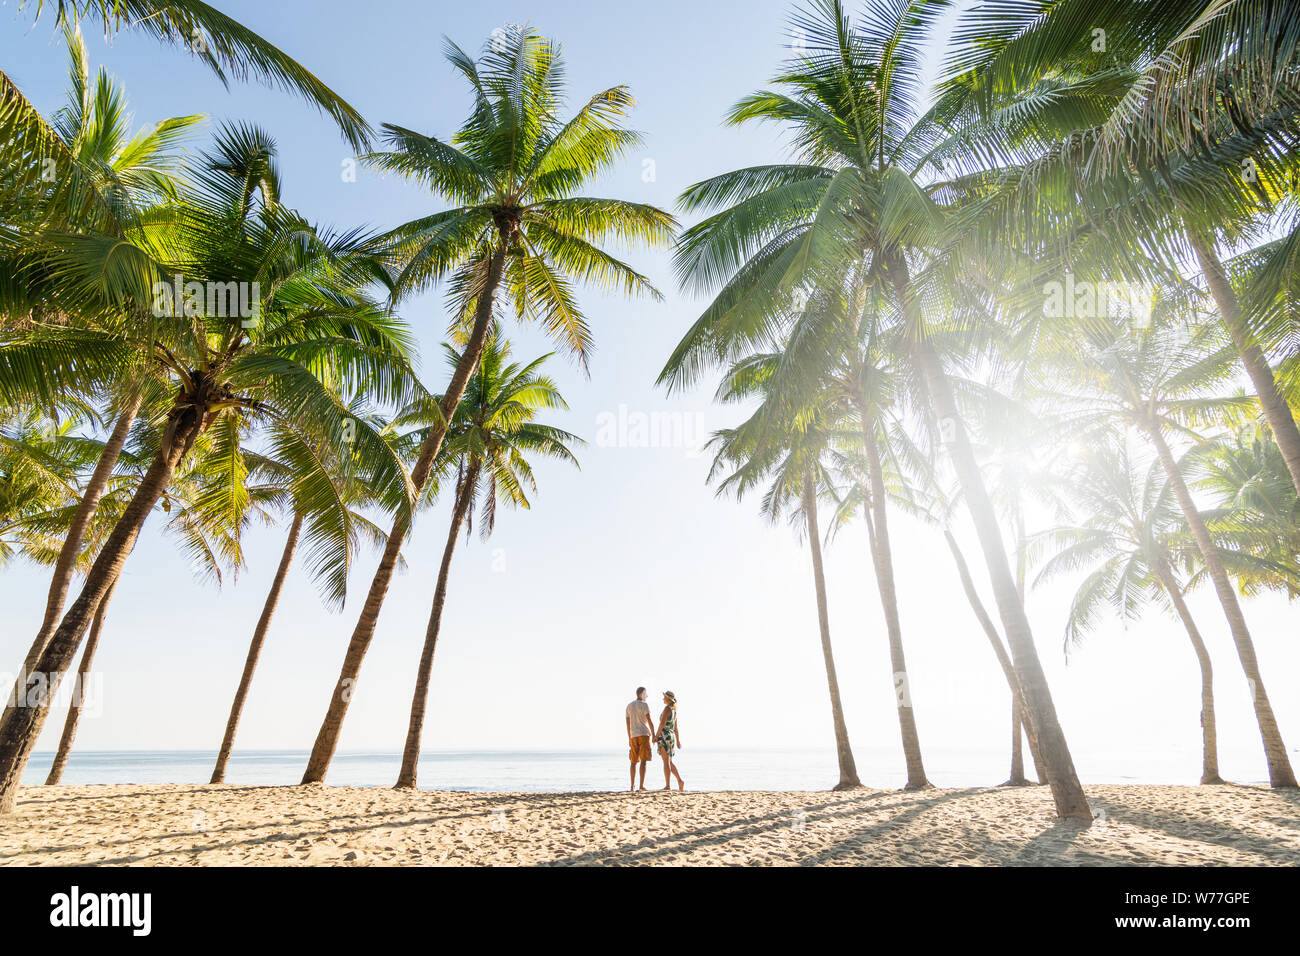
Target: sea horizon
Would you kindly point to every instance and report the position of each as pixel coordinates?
(488, 769)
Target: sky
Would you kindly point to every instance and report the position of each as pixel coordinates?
(629, 570)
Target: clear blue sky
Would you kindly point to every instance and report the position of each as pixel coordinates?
(629, 571)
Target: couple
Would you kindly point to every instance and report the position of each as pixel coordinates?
(640, 729)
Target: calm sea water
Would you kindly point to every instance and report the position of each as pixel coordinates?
(703, 769)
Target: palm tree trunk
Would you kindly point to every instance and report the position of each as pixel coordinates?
(1276, 411)
(1004, 661)
(1279, 764)
(327, 738)
(883, 560)
(1017, 706)
(419, 702)
(79, 692)
(24, 717)
(255, 649)
(1022, 559)
(1016, 778)
(1067, 793)
(1017, 775)
(1209, 734)
(848, 770)
(1039, 770)
(66, 564)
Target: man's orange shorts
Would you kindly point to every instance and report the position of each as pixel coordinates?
(639, 749)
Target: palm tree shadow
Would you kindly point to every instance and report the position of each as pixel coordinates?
(1221, 832)
(135, 848)
(1050, 847)
(844, 849)
(683, 842)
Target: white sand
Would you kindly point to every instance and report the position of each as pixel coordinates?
(150, 824)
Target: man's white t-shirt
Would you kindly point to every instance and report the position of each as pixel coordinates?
(638, 712)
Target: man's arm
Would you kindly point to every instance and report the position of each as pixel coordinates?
(628, 720)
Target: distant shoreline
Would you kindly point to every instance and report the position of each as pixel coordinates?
(583, 769)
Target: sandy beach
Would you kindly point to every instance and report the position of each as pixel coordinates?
(174, 825)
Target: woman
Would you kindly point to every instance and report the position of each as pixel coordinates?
(669, 738)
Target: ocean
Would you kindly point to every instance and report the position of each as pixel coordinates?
(702, 768)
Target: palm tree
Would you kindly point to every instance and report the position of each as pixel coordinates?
(1020, 452)
(316, 332)
(127, 173)
(938, 506)
(1193, 96)
(516, 227)
(489, 443)
(1279, 764)
(862, 383)
(850, 102)
(225, 46)
(1256, 522)
(321, 492)
(47, 187)
(70, 723)
(210, 534)
(1016, 777)
(1127, 535)
(808, 505)
(1157, 381)
(1146, 163)
(40, 463)
(767, 444)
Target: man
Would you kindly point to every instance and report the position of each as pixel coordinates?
(640, 728)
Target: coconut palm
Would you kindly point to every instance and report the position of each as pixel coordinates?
(489, 444)
(807, 498)
(225, 46)
(208, 505)
(918, 486)
(860, 382)
(856, 193)
(47, 187)
(1021, 455)
(194, 535)
(1016, 777)
(321, 492)
(517, 227)
(128, 173)
(209, 533)
(938, 506)
(1151, 168)
(1256, 522)
(41, 461)
(79, 692)
(1201, 107)
(1127, 538)
(314, 335)
(1160, 382)
(768, 445)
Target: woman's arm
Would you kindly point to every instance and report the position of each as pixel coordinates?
(662, 718)
(677, 730)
